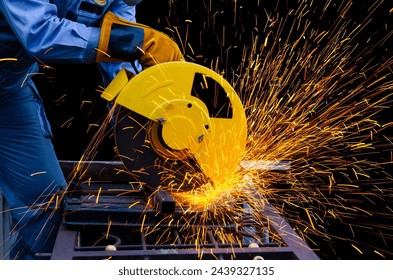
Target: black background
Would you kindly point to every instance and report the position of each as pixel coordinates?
(74, 108)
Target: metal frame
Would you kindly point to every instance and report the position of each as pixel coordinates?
(68, 247)
(68, 243)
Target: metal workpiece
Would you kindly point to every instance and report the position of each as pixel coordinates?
(165, 204)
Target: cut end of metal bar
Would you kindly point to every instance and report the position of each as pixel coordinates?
(164, 202)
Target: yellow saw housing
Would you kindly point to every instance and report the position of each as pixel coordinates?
(163, 94)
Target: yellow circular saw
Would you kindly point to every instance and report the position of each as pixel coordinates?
(178, 124)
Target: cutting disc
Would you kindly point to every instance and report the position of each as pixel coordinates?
(178, 124)
(134, 137)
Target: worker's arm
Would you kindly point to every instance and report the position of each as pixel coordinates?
(46, 36)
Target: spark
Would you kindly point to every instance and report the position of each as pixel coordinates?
(92, 125)
(362, 210)
(67, 123)
(85, 102)
(8, 59)
(357, 249)
(378, 253)
(309, 217)
(133, 204)
(98, 195)
(103, 52)
(108, 229)
(38, 173)
(28, 76)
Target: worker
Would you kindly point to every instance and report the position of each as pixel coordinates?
(56, 31)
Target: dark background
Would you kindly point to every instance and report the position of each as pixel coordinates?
(74, 107)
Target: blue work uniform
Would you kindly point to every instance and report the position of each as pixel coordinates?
(33, 31)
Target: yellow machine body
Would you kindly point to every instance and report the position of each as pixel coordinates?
(163, 94)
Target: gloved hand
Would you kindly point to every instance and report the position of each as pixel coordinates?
(122, 40)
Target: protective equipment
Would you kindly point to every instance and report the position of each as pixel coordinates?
(128, 41)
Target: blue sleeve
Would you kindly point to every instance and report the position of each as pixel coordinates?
(47, 37)
(123, 10)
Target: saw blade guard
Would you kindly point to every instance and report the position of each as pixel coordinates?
(194, 112)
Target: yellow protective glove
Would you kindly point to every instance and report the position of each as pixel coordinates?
(122, 40)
